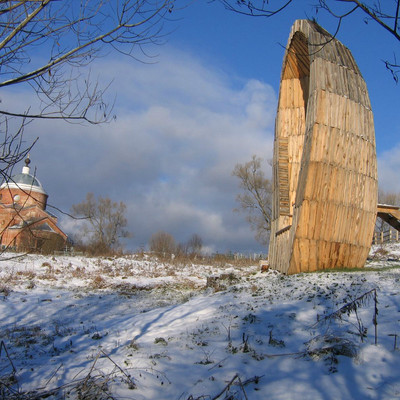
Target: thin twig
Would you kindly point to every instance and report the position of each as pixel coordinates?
(3, 346)
(121, 369)
(255, 379)
(242, 387)
(217, 363)
(53, 375)
(226, 387)
(90, 371)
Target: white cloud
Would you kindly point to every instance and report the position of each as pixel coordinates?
(181, 127)
(388, 170)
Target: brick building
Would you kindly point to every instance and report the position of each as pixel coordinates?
(25, 225)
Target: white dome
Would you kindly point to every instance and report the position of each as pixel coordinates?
(24, 181)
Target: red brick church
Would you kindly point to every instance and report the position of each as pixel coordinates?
(25, 225)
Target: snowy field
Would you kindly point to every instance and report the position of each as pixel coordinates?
(135, 328)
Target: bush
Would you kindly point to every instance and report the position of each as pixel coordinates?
(162, 243)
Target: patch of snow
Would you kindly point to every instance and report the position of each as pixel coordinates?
(139, 328)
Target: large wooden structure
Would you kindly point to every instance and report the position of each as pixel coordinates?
(325, 173)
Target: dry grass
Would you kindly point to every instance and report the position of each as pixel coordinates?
(26, 274)
(78, 272)
(4, 290)
(122, 274)
(381, 252)
(96, 385)
(98, 282)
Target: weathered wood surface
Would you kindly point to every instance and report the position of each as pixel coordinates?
(324, 166)
(389, 214)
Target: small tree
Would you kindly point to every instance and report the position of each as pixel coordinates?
(105, 223)
(256, 197)
(194, 245)
(191, 248)
(162, 243)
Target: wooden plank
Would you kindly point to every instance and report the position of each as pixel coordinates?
(328, 162)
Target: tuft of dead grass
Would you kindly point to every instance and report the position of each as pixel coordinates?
(98, 282)
(96, 385)
(4, 290)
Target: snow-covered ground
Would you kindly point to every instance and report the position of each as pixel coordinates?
(135, 328)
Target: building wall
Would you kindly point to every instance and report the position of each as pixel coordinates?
(26, 198)
(30, 211)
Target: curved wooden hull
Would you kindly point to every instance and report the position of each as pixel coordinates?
(325, 172)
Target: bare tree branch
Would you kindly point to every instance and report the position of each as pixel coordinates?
(256, 198)
(373, 11)
(105, 225)
(254, 8)
(44, 47)
(385, 14)
(41, 41)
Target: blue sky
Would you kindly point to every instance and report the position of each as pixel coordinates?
(184, 121)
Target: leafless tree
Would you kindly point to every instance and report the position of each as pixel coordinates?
(390, 198)
(194, 245)
(104, 224)
(191, 248)
(384, 13)
(45, 46)
(256, 196)
(162, 243)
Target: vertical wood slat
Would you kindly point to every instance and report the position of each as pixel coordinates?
(324, 157)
